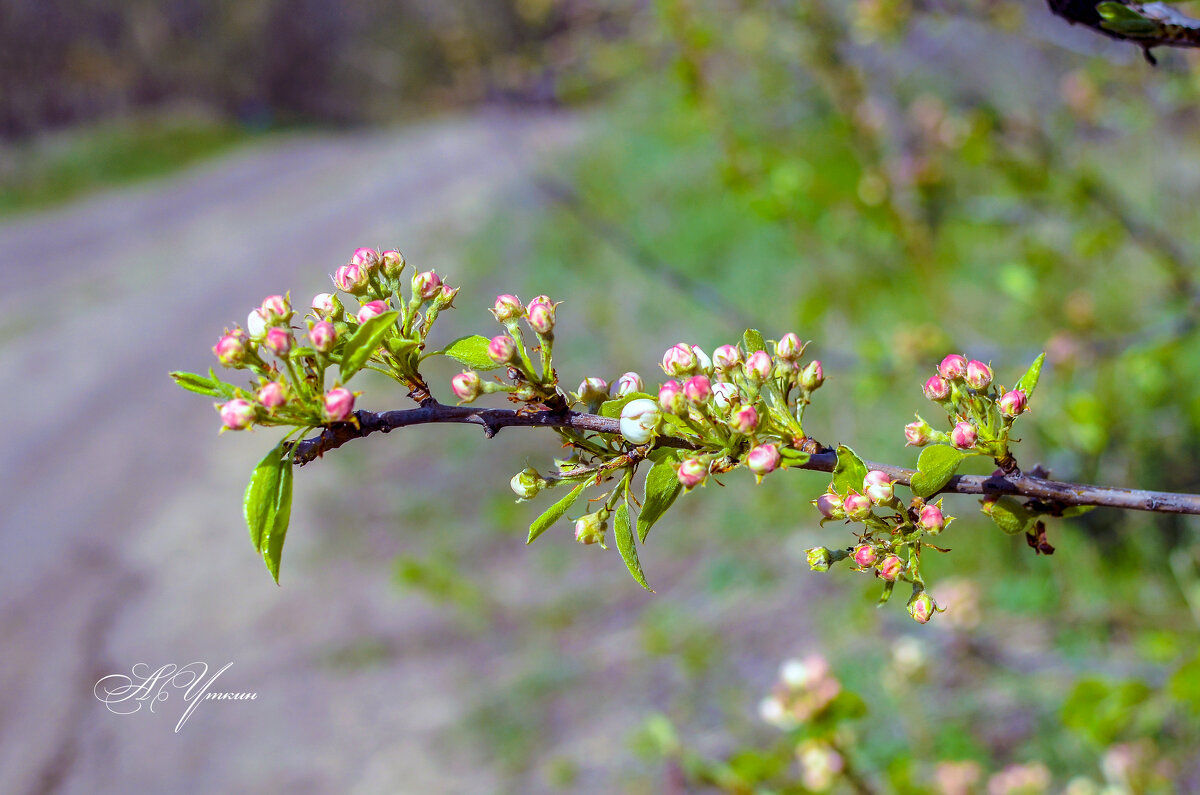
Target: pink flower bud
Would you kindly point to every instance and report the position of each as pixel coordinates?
(339, 404)
(812, 376)
(272, 395)
(256, 324)
(830, 506)
(789, 347)
(692, 472)
(917, 433)
(703, 363)
(890, 568)
(446, 296)
(727, 357)
(878, 486)
(593, 390)
(937, 388)
(679, 360)
(627, 384)
(541, 300)
(275, 307)
(964, 436)
(507, 307)
(466, 386)
(698, 389)
(865, 556)
(763, 459)
(639, 420)
(366, 258)
(541, 318)
(237, 414)
(502, 349)
(322, 335)
(1012, 403)
(279, 340)
(230, 350)
(670, 398)
(323, 304)
(931, 520)
(857, 506)
(744, 420)
(979, 375)
(724, 395)
(371, 309)
(591, 528)
(921, 607)
(758, 366)
(953, 366)
(427, 285)
(351, 279)
(393, 263)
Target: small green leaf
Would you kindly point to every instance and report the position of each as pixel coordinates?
(554, 513)
(267, 506)
(612, 408)
(888, 587)
(1184, 685)
(365, 342)
(273, 541)
(1120, 18)
(1029, 381)
(662, 488)
(398, 346)
(471, 351)
(1077, 510)
(849, 472)
(623, 530)
(936, 466)
(197, 383)
(1010, 516)
(302, 352)
(753, 340)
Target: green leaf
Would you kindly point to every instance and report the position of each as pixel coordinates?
(1010, 515)
(1029, 381)
(365, 342)
(1077, 510)
(398, 346)
(753, 340)
(623, 530)
(273, 540)
(935, 467)
(612, 408)
(302, 352)
(471, 351)
(554, 513)
(1184, 685)
(662, 487)
(267, 506)
(197, 383)
(1120, 18)
(849, 472)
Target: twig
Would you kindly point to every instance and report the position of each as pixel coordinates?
(1017, 484)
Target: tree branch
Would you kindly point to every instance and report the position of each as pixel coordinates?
(1148, 25)
(1018, 484)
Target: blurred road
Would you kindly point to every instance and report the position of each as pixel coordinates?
(122, 541)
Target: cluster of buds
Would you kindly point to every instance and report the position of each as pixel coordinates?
(980, 413)
(804, 690)
(527, 383)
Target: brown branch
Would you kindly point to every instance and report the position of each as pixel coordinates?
(1165, 27)
(1017, 484)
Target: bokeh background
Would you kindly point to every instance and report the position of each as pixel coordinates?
(892, 179)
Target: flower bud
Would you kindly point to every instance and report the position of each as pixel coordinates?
(541, 318)
(692, 472)
(275, 308)
(819, 559)
(878, 485)
(230, 350)
(447, 294)
(964, 436)
(1012, 403)
(726, 357)
(237, 414)
(366, 258)
(703, 363)
(272, 395)
(326, 305)
(427, 285)
(351, 279)
(466, 386)
(541, 300)
(812, 376)
(639, 419)
(979, 375)
(921, 607)
(758, 366)
(830, 505)
(953, 366)
(256, 324)
(698, 389)
(724, 395)
(593, 390)
(323, 336)
(763, 460)
(679, 360)
(890, 568)
(789, 347)
(937, 388)
(931, 519)
(527, 483)
(917, 433)
(527, 393)
(627, 384)
(502, 349)
(393, 263)
(279, 340)
(744, 420)
(507, 307)
(371, 309)
(865, 556)
(339, 404)
(592, 527)
(670, 398)
(857, 506)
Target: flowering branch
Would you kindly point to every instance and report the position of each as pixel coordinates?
(1148, 25)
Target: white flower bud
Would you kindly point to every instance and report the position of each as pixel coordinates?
(639, 418)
